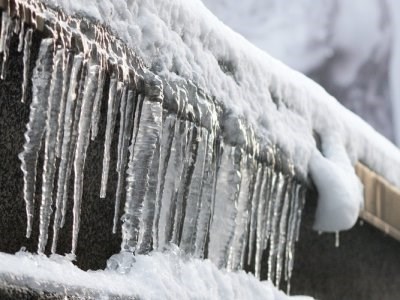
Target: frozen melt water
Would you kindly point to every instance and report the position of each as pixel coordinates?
(190, 173)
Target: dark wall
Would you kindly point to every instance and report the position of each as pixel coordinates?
(365, 266)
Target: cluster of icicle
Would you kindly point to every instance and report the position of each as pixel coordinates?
(189, 173)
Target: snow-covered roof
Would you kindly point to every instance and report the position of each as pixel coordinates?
(182, 39)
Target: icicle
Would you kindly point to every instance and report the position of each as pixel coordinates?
(113, 103)
(145, 233)
(226, 194)
(194, 196)
(74, 138)
(36, 126)
(172, 180)
(207, 197)
(5, 39)
(97, 105)
(5, 24)
(139, 166)
(282, 233)
(291, 235)
(82, 144)
(126, 127)
(337, 239)
(302, 198)
(189, 152)
(66, 148)
(26, 62)
(21, 37)
(239, 238)
(122, 108)
(261, 220)
(49, 150)
(67, 65)
(253, 215)
(274, 237)
(167, 148)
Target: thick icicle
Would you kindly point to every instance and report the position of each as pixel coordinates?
(112, 109)
(193, 205)
(274, 236)
(82, 144)
(207, 198)
(171, 179)
(97, 104)
(253, 214)
(239, 238)
(261, 219)
(66, 148)
(146, 223)
(36, 125)
(291, 235)
(126, 127)
(189, 152)
(141, 157)
(49, 150)
(26, 62)
(226, 194)
(167, 148)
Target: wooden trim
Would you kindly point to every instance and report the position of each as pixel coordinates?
(381, 202)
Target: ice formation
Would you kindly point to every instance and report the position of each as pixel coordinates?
(216, 139)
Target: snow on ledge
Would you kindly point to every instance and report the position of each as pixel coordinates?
(155, 276)
(182, 39)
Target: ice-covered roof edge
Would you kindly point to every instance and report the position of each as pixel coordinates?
(281, 104)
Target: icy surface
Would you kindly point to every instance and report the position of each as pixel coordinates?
(275, 99)
(155, 276)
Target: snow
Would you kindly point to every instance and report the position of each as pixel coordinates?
(337, 42)
(156, 276)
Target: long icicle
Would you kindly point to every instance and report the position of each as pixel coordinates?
(63, 175)
(167, 193)
(193, 206)
(81, 148)
(145, 233)
(112, 109)
(26, 62)
(97, 104)
(49, 150)
(67, 66)
(226, 194)
(138, 172)
(36, 126)
(253, 214)
(165, 155)
(207, 196)
(74, 137)
(126, 128)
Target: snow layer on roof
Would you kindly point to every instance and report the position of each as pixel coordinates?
(182, 39)
(155, 276)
